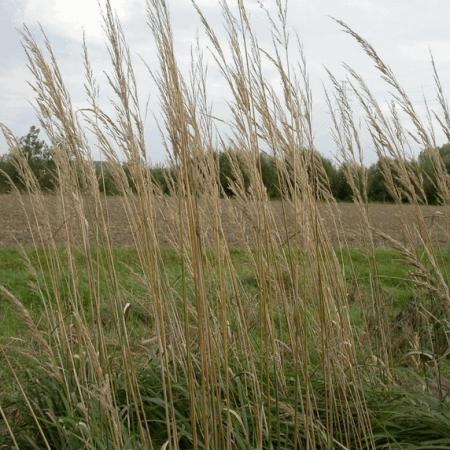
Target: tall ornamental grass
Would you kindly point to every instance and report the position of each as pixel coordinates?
(208, 363)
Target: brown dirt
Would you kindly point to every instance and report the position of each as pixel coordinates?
(343, 222)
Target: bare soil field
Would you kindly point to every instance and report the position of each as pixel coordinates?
(343, 222)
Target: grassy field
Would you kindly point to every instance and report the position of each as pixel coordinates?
(194, 321)
(407, 415)
(14, 275)
(392, 273)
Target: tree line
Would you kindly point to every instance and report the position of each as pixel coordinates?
(39, 157)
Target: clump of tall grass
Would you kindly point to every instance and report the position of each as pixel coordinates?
(216, 366)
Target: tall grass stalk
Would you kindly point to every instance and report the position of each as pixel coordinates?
(215, 365)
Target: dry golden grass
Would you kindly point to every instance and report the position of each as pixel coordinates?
(283, 366)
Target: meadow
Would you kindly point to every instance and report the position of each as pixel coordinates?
(193, 320)
(409, 414)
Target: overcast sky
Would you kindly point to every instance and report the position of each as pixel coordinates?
(402, 31)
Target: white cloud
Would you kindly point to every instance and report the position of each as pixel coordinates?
(420, 51)
(400, 30)
(70, 17)
(15, 111)
(14, 99)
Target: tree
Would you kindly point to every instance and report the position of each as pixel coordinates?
(5, 173)
(33, 148)
(269, 175)
(377, 191)
(427, 163)
(341, 189)
(38, 156)
(230, 162)
(331, 173)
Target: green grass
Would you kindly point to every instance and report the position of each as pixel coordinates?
(392, 272)
(393, 275)
(406, 417)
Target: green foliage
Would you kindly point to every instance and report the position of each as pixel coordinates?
(6, 173)
(427, 162)
(225, 172)
(161, 177)
(342, 190)
(231, 168)
(269, 175)
(39, 156)
(377, 191)
(403, 416)
(105, 178)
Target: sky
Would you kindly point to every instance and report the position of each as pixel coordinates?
(402, 31)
